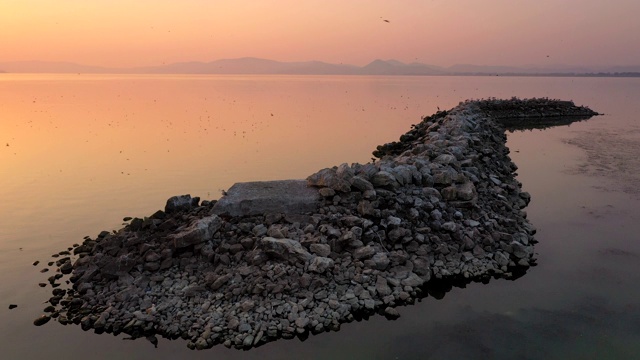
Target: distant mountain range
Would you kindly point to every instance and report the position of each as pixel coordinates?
(249, 65)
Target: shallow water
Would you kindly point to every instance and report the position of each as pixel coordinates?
(80, 152)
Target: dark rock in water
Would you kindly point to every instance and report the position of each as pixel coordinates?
(43, 319)
(391, 313)
(66, 268)
(280, 259)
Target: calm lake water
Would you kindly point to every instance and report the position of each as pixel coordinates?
(80, 152)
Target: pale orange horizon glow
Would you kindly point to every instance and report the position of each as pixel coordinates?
(118, 33)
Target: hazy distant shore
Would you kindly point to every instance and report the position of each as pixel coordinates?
(256, 66)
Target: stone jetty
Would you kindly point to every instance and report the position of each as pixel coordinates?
(281, 259)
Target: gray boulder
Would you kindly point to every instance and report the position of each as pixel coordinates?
(268, 197)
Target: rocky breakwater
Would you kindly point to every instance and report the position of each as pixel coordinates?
(282, 259)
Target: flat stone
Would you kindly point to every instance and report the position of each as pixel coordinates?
(260, 197)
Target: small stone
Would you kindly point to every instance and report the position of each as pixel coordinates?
(12, 306)
(382, 287)
(327, 192)
(201, 344)
(259, 230)
(369, 304)
(412, 280)
(391, 313)
(41, 320)
(244, 327)
(302, 322)
(320, 249)
(66, 268)
(365, 208)
(364, 252)
(248, 341)
(233, 324)
(466, 191)
(501, 259)
(220, 281)
(450, 226)
(320, 264)
(381, 261)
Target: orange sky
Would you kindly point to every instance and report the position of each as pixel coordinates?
(441, 32)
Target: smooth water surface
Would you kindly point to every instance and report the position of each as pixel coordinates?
(80, 152)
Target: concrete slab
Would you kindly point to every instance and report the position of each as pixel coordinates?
(260, 197)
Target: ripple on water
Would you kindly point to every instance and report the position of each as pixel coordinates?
(612, 154)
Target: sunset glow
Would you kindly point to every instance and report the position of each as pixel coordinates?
(121, 33)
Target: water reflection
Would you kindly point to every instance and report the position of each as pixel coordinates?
(577, 330)
(521, 124)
